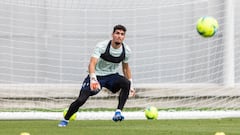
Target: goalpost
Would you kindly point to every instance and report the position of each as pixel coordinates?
(45, 48)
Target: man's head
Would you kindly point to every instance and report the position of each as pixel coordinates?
(118, 34)
(119, 27)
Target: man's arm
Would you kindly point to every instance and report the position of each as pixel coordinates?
(94, 84)
(92, 65)
(128, 74)
(126, 70)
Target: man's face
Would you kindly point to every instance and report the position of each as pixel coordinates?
(118, 36)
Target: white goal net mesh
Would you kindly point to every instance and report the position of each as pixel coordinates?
(45, 48)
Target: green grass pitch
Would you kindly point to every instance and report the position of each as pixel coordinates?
(230, 126)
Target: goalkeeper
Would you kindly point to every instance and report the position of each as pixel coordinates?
(103, 72)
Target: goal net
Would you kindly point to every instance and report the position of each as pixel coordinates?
(45, 48)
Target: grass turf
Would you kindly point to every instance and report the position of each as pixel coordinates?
(230, 126)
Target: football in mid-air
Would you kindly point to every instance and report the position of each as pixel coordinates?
(151, 113)
(207, 26)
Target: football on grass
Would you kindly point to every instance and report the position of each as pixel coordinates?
(73, 117)
(151, 113)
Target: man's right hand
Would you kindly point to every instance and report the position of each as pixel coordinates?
(94, 84)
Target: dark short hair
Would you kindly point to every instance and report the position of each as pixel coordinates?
(119, 27)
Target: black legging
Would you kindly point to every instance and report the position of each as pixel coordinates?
(82, 98)
(123, 84)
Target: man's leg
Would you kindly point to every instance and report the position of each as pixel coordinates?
(83, 96)
(122, 84)
(123, 96)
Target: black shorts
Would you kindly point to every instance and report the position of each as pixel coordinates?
(113, 82)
